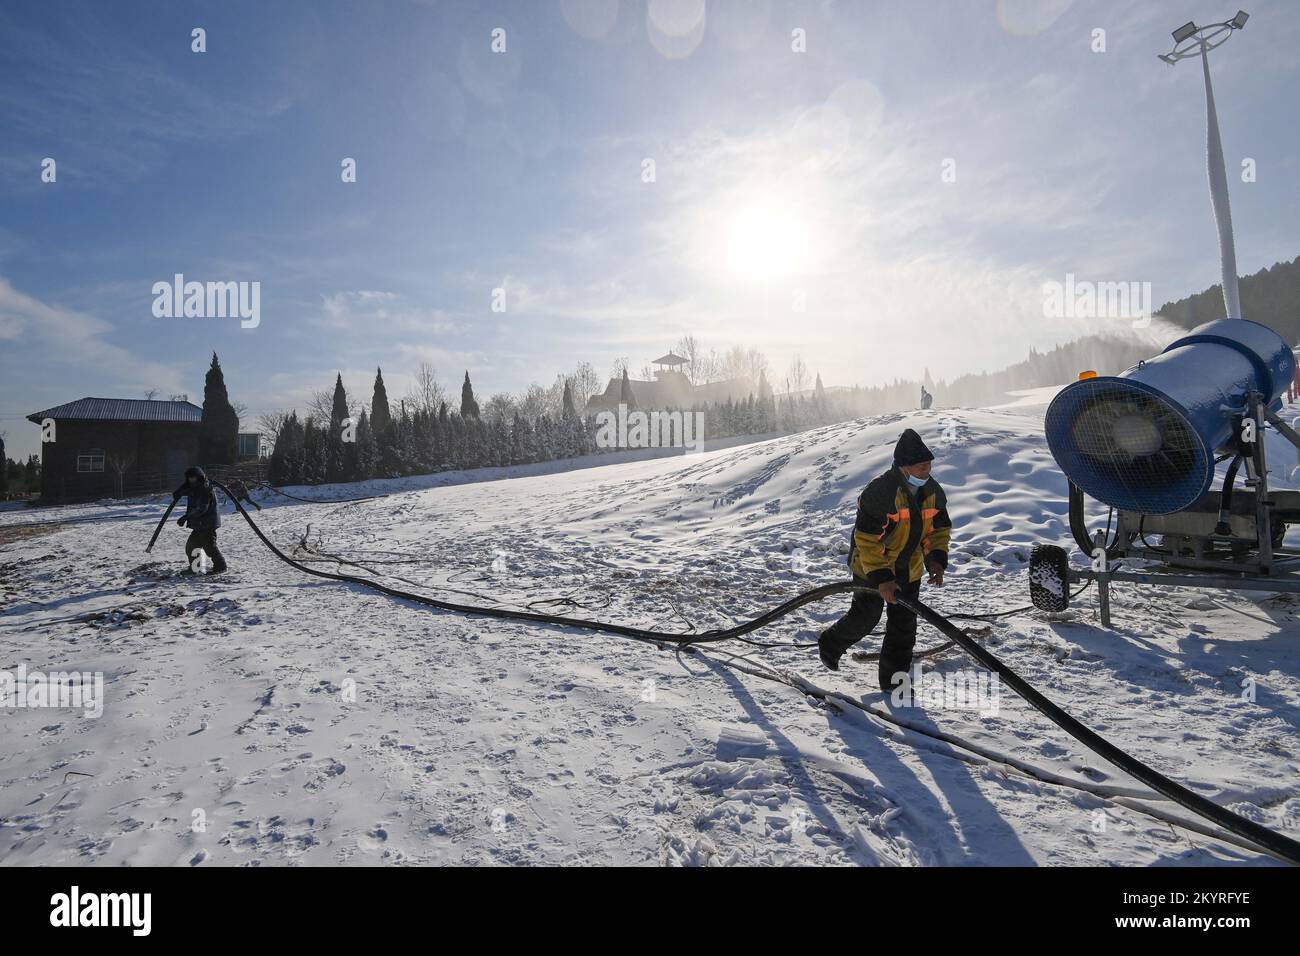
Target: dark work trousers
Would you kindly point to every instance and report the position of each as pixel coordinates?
(864, 615)
(207, 540)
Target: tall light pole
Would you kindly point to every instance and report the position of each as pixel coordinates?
(1191, 40)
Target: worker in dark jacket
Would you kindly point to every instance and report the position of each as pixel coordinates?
(200, 517)
(901, 532)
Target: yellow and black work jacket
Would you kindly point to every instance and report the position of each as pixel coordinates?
(898, 531)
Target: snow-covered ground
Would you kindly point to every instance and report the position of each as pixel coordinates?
(299, 720)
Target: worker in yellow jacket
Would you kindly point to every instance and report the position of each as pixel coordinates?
(900, 534)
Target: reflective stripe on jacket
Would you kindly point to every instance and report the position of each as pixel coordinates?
(888, 542)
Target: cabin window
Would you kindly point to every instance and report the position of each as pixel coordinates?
(90, 461)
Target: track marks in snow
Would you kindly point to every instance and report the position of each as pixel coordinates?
(473, 741)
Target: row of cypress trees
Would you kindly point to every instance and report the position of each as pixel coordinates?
(383, 443)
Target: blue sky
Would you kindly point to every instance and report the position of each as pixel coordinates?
(776, 173)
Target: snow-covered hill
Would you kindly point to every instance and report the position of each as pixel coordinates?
(305, 721)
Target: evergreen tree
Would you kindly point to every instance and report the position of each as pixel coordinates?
(519, 440)
(381, 424)
(287, 456)
(276, 470)
(336, 454)
(568, 437)
(425, 452)
(499, 441)
(219, 431)
(570, 412)
(468, 406)
(298, 451)
(476, 441)
(444, 437)
(380, 417)
(350, 459)
(456, 453)
(405, 441)
(16, 475)
(438, 438)
(4, 468)
(367, 451)
(339, 410)
(768, 416)
(313, 454)
(625, 396)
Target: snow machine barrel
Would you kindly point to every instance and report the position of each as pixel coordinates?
(1145, 440)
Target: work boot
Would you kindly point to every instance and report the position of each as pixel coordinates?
(827, 651)
(890, 667)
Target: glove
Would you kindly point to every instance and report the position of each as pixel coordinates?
(181, 521)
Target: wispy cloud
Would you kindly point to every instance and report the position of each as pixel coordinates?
(109, 110)
(60, 338)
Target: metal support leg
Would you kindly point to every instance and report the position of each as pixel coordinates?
(1263, 506)
(1103, 593)
(1101, 566)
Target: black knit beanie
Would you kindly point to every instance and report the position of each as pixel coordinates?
(910, 450)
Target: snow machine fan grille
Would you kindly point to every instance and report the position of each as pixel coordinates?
(1128, 446)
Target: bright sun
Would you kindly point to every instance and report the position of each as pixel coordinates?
(767, 240)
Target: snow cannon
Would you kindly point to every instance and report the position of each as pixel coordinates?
(1148, 444)
(1145, 440)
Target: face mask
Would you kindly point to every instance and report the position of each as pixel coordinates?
(916, 482)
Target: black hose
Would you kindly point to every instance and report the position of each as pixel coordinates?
(636, 633)
(158, 530)
(1142, 536)
(1079, 526)
(311, 501)
(1223, 527)
(1015, 610)
(1275, 843)
(1229, 480)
